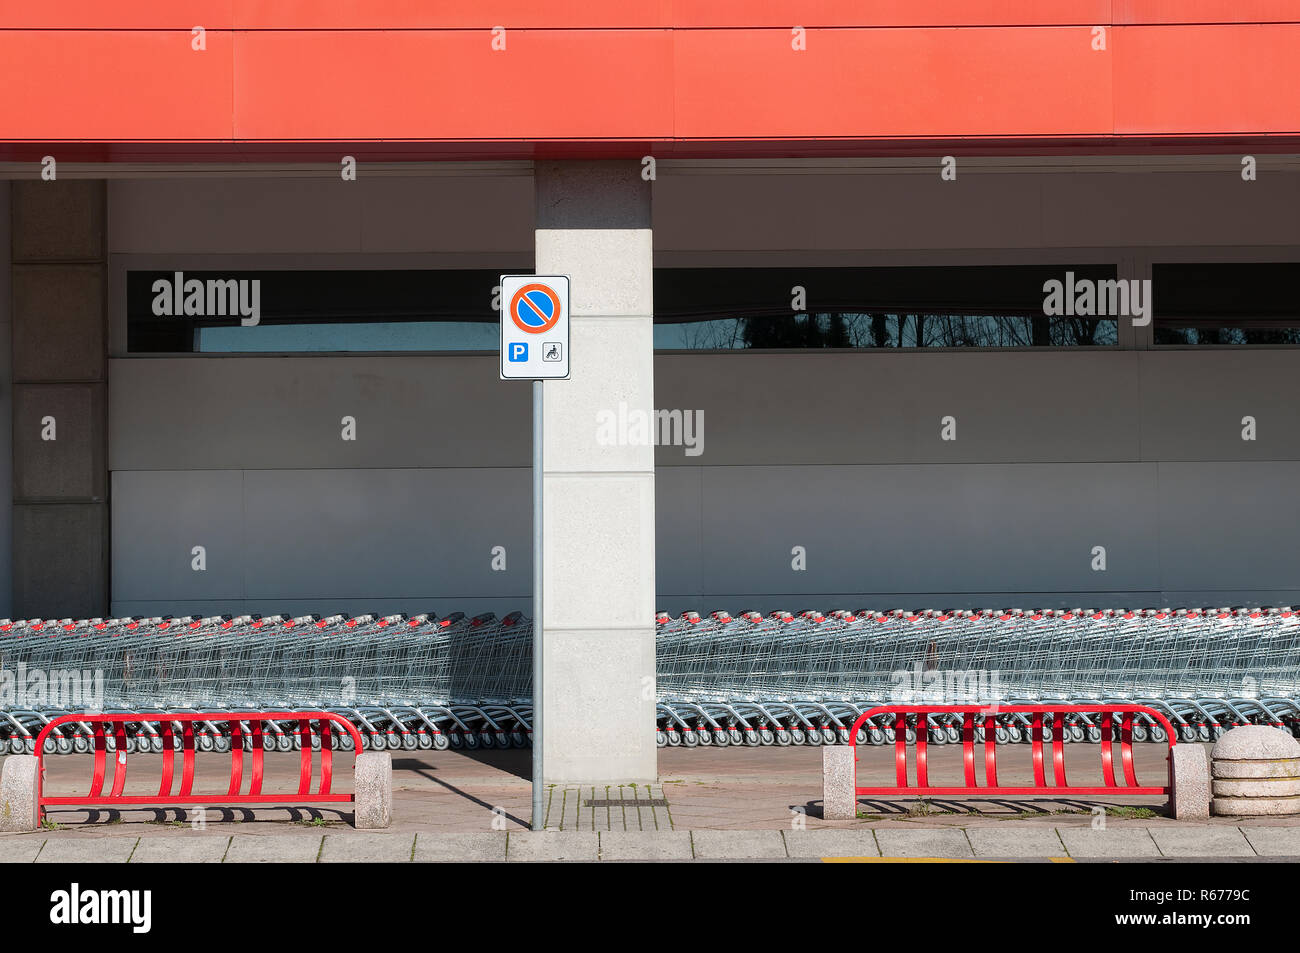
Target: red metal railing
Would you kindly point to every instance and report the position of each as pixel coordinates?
(102, 724)
(970, 713)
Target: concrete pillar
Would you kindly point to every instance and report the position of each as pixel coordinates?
(593, 224)
(60, 486)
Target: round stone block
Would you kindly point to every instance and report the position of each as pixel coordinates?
(1256, 806)
(1284, 768)
(1256, 743)
(1258, 787)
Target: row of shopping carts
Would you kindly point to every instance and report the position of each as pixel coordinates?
(407, 682)
(412, 682)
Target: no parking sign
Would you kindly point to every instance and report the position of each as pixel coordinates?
(534, 327)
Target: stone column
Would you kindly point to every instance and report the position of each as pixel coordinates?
(593, 224)
(60, 476)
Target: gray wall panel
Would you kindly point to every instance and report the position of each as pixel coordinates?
(926, 529)
(1229, 526)
(679, 527)
(881, 407)
(1056, 453)
(1193, 403)
(320, 537)
(745, 208)
(281, 413)
(329, 534)
(160, 516)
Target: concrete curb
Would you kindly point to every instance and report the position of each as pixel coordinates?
(1000, 842)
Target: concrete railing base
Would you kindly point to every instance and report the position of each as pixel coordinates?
(1189, 796)
(839, 800)
(19, 783)
(373, 787)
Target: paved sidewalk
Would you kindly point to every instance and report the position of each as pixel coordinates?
(709, 804)
(1017, 842)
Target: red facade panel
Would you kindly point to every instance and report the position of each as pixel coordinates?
(912, 83)
(548, 84)
(106, 86)
(1181, 80)
(627, 14)
(574, 86)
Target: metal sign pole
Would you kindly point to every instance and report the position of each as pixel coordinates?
(539, 817)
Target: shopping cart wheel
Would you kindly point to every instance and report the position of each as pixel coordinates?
(64, 745)
(661, 738)
(1094, 734)
(798, 736)
(1158, 733)
(674, 737)
(441, 741)
(156, 744)
(689, 738)
(1187, 734)
(345, 742)
(783, 737)
(1077, 733)
(29, 746)
(721, 738)
(471, 740)
(423, 741)
(766, 735)
(953, 733)
(16, 746)
(80, 744)
(1140, 733)
(753, 739)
